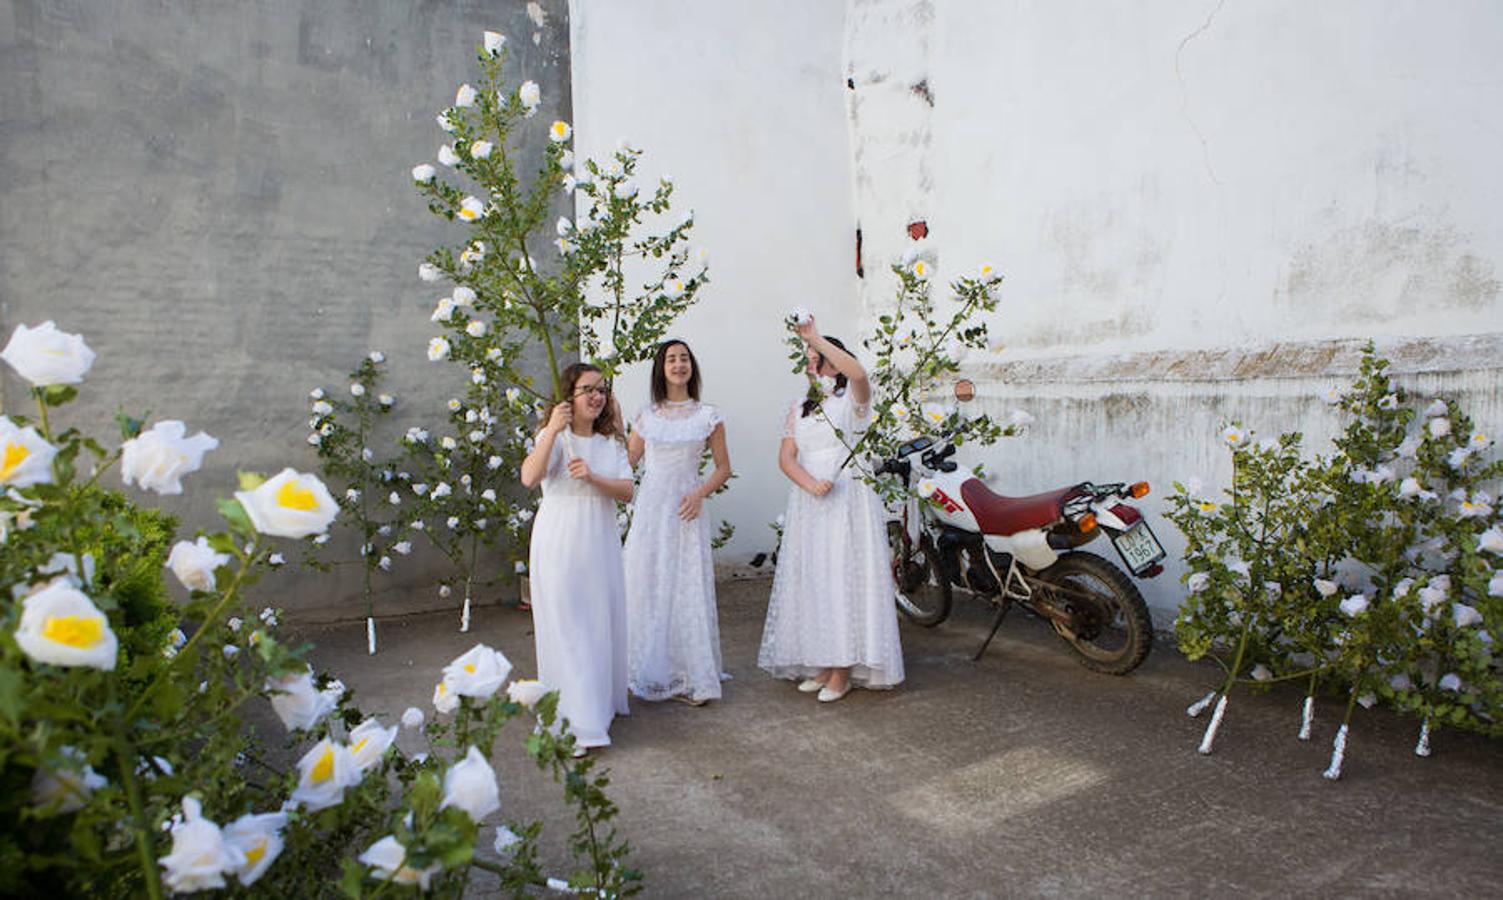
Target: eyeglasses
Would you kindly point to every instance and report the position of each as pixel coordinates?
(600, 389)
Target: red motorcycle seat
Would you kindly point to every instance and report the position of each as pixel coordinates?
(997, 514)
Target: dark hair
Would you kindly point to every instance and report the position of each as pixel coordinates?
(605, 423)
(660, 375)
(840, 379)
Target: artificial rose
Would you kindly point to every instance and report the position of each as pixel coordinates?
(559, 132)
(447, 156)
(194, 563)
(1354, 605)
(298, 703)
(480, 672)
(423, 173)
(444, 700)
(323, 774)
(494, 41)
(470, 785)
(68, 788)
(289, 504)
(368, 743)
(1197, 582)
(526, 692)
(200, 858)
(505, 839)
(465, 96)
(530, 96)
(45, 356)
(387, 858)
(471, 209)
(157, 460)
(25, 458)
(438, 348)
(1491, 540)
(61, 626)
(1465, 615)
(1234, 437)
(259, 840)
(481, 150)
(412, 718)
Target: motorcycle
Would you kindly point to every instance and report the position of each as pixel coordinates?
(1024, 551)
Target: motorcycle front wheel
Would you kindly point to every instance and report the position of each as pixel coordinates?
(923, 591)
(1115, 632)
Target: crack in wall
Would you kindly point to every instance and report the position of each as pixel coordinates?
(1184, 106)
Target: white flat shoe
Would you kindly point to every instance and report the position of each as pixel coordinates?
(826, 695)
(809, 686)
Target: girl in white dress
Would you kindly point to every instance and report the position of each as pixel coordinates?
(832, 620)
(578, 591)
(673, 638)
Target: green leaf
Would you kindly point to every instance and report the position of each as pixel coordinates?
(352, 878)
(11, 688)
(56, 394)
(233, 513)
(249, 481)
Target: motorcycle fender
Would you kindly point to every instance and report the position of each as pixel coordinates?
(1031, 548)
(1107, 517)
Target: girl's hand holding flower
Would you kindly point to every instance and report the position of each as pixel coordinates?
(578, 468)
(563, 416)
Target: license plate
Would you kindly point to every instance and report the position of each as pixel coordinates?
(1138, 547)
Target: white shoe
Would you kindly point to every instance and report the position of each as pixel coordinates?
(826, 695)
(809, 686)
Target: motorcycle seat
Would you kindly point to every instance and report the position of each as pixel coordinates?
(997, 514)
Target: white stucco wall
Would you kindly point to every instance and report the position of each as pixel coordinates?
(741, 104)
(1202, 208)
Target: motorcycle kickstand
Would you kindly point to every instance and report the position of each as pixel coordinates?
(996, 623)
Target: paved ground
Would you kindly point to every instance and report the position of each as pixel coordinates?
(1022, 774)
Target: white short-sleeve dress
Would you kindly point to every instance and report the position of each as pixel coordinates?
(578, 589)
(833, 597)
(673, 634)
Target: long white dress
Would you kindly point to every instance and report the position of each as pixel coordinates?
(578, 590)
(833, 595)
(673, 636)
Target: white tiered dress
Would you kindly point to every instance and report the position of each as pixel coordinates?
(833, 597)
(673, 636)
(578, 590)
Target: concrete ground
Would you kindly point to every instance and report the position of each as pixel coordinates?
(1020, 774)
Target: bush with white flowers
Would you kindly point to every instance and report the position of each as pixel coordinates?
(1375, 571)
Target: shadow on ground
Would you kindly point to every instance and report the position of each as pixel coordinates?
(1020, 774)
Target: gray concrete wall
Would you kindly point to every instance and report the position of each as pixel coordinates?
(217, 196)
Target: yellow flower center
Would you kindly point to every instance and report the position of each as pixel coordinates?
(254, 854)
(467, 214)
(82, 632)
(294, 496)
(323, 770)
(469, 667)
(1207, 507)
(362, 743)
(15, 454)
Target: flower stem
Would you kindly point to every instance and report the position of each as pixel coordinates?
(42, 415)
(145, 851)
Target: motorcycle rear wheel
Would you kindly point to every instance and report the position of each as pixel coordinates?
(1116, 632)
(923, 592)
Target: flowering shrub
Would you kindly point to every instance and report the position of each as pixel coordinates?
(1375, 569)
(121, 741)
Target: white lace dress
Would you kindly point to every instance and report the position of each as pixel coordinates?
(578, 591)
(833, 595)
(673, 636)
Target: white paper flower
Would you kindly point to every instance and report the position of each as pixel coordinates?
(673, 288)
(1241, 569)
(476, 328)
(494, 41)
(479, 672)
(1433, 596)
(1197, 582)
(423, 173)
(1261, 672)
(290, 504)
(505, 839)
(1436, 408)
(926, 489)
(1475, 508)
(921, 269)
(1450, 682)
(1408, 448)
(194, 563)
(368, 743)
(388, 861)
(465, 96)
(442, 312)
(1400, 682)
(470, 785)
(1234, 436)
(471, 209)
(259, 840)
(1388, 401)
(67, 788)
(25, 458)
(447, 156)
(1439, 428)
(559, 132)
(1332, 396)
(1326, 588)
(412, 718)
(298, 703)
(530, 96)
(442, 489)
(625, 189)
(323, 774)
(45, 356)
(357, 390)
(933, 413)
(481, 150)
(200, 857)
(443, 122)
(444, 700)
(1465, 615)
(526, 692)
(438, 349)
(61, 626)
(566, 161)
(463, 296)
(429, 272)
(1495, 586)
(1354, 605)
(1410, 487)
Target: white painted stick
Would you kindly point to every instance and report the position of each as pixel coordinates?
(370, 635)
(1338, 755)
(464, 617)
(1210, 736)
(1423, 747)
(1200, 706)
(1309, 717)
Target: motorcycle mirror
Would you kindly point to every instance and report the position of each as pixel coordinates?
(964, 390)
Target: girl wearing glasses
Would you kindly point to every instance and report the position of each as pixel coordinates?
(831, 621)
(578, 594)
(673, 638)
